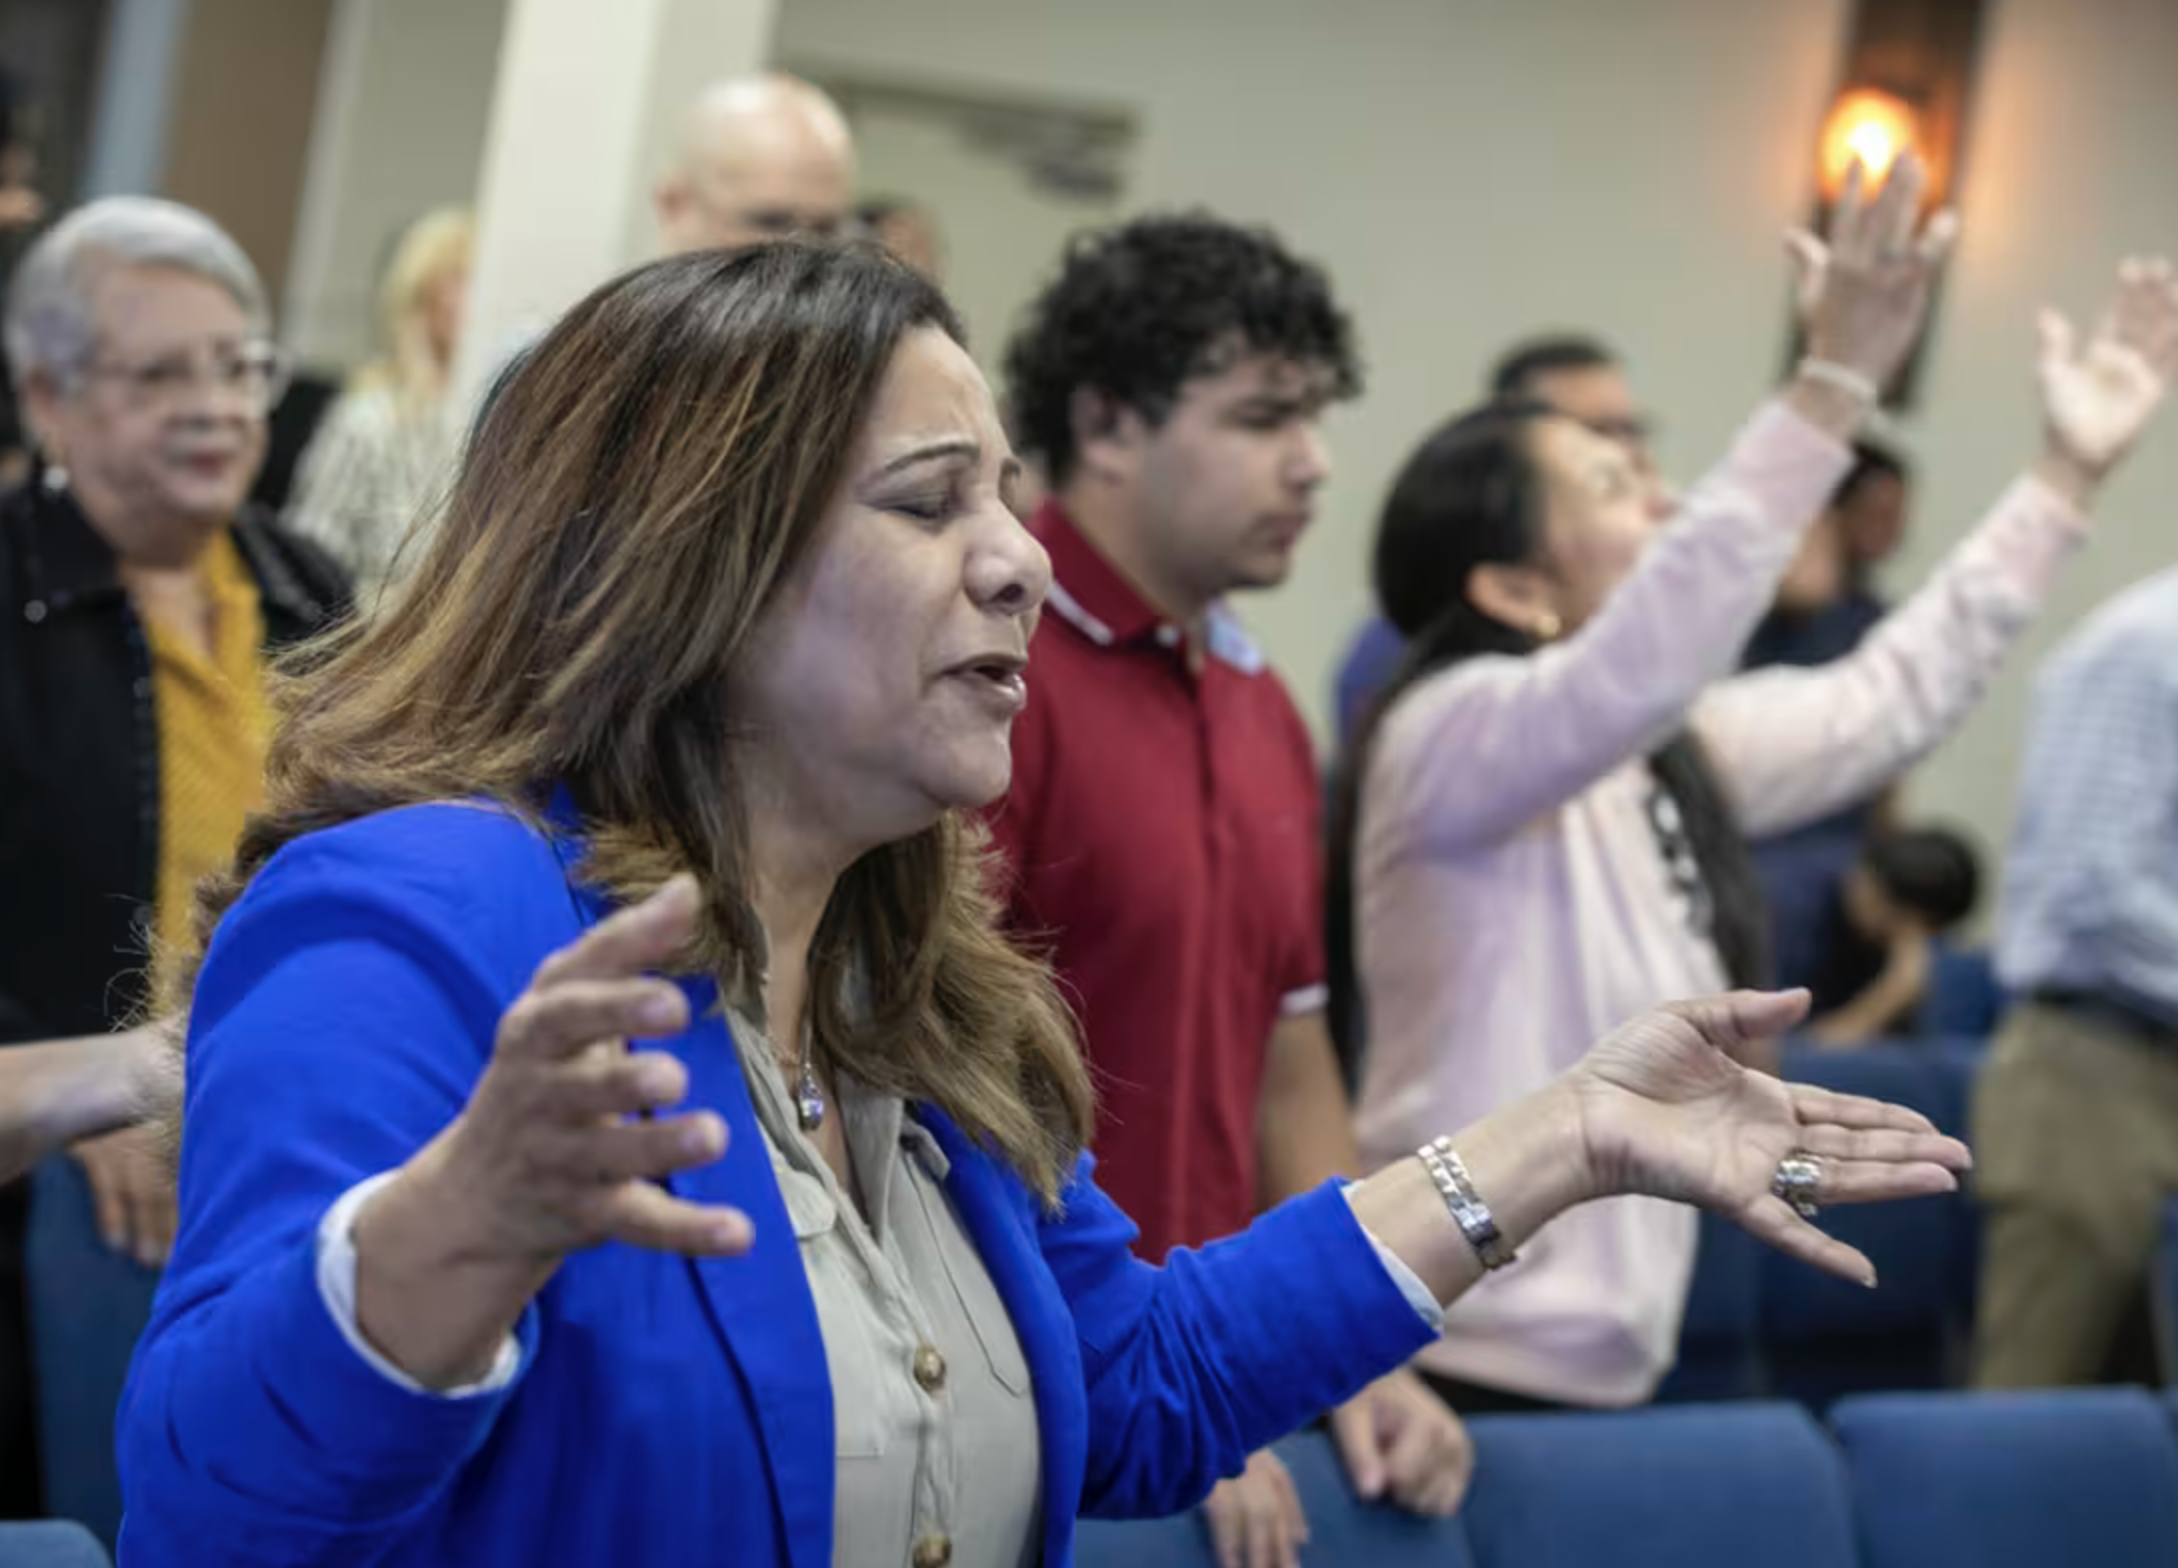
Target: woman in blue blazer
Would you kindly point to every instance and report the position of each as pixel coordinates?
(484, 1256)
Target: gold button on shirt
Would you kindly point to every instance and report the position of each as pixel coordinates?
(213, 722)
(929, 1369)
(940, 1456)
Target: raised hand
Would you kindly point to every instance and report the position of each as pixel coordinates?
(1664, 1110)
(557, 1136)
(2098, 396)
(556, 1151)
(1863, 293)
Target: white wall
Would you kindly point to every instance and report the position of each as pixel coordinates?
(2071, 168)
(1473, 171)
(1468, 172)
(405, 117)
(1001, 235)
(402, 109)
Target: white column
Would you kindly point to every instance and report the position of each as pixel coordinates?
(582, 116)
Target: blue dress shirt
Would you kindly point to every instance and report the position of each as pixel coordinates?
(2091, 884)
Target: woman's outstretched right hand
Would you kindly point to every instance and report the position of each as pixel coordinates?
(557, 1150)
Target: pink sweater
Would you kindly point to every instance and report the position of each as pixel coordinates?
(1513, 906)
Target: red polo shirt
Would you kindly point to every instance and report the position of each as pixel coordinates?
(1161, 831)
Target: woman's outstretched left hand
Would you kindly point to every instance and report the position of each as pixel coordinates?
(1665, 1110)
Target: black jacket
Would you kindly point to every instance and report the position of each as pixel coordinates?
(79, 755)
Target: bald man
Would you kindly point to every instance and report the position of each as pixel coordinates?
(759, 158)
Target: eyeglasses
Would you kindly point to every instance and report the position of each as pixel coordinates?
(764, 224)
(775, 224)
(1633, 431)
(257, 372)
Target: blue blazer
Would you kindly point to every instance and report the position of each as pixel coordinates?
(670, 1411)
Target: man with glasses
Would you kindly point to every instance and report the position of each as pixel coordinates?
(140, 595)
(1584, 380)
(756, 159)
(759, 158)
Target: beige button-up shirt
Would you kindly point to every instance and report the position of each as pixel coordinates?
(940, 1456)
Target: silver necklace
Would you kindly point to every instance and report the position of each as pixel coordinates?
(808, 1093)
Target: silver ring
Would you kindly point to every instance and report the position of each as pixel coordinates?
(1798, 1182)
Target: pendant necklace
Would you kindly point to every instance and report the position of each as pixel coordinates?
(808, 1093)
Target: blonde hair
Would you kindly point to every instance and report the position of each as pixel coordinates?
(434, 245)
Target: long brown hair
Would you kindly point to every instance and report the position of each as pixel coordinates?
(639, 487)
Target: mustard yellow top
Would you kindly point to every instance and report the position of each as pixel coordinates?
(213, 723)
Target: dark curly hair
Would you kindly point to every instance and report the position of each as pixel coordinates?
(1139, 310)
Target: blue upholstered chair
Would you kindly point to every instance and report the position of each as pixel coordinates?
(2083, 1477)
(1342, 1529)
(50, 1543)
(1963, 1000)
(1720, 1351)
(1687, 1487)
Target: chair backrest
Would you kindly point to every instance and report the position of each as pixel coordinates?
(2081, 1476)
(1800, 873)
(1963, 997)
(1341, 1528)
(50, 1543)
(1958, 1061)
(1178, 1542)
(1665, 1488)
(1720, 1350)
(88, 1307)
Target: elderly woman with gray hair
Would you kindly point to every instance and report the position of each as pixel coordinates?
(139, 595)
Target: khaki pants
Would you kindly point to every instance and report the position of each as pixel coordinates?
(2075, 1130)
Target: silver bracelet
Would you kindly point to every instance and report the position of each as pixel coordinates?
(1468, 1210)
(1844, 378)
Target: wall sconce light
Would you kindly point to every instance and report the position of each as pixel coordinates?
(1906, 80)
(1870, 125)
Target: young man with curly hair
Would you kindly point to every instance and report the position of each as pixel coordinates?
(1161, 831)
